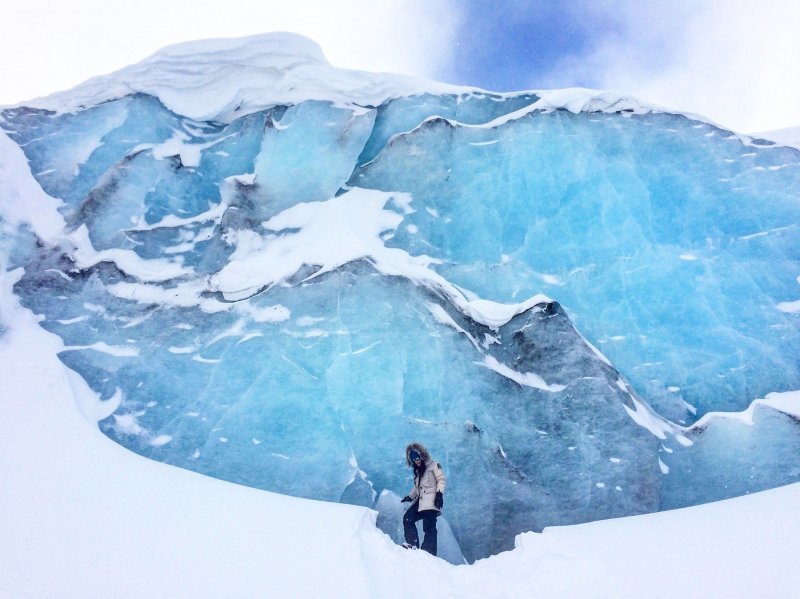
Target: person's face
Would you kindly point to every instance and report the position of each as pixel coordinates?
(416, 458)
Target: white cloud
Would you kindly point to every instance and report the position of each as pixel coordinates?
(57, 47)
(733, 61)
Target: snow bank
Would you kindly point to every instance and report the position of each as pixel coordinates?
(223, 79)
(785, 137)
(24, 201)
(82, 516)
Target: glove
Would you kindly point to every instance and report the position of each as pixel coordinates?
(439, 500)
(406, 499)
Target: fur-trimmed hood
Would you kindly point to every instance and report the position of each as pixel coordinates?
(420, 449)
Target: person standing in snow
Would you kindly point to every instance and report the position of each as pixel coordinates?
(426, 497)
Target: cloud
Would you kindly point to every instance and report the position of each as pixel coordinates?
(398, 36)
(59, 45)
(732, 61)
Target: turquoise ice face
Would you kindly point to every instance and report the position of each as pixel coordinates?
(672, 245)
(286, 301)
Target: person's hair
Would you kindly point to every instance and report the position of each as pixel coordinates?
(420, 449)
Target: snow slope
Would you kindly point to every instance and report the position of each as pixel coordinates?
(83, 517)
(786, 137)
(224, 79)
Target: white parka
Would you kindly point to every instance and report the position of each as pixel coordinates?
(431, 481)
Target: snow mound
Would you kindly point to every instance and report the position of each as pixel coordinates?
(785, 137)
(223, 79)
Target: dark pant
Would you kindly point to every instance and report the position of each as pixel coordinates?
(428, 518)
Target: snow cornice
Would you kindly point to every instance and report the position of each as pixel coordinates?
(224, 79)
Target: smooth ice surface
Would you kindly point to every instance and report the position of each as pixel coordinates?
(285, 288)
(671, 244)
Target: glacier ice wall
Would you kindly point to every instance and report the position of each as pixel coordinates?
(672, 245)
(286, 297)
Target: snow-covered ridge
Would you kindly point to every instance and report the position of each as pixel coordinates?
(24, 201)
(785, 137)
(223, 79)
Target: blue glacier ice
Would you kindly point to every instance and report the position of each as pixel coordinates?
(571, 303)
